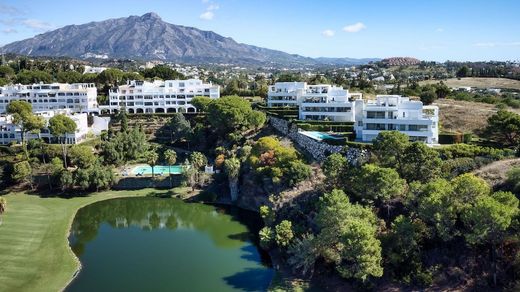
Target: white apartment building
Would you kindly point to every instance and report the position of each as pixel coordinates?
(316, 102)
(168, 96)
(285, 93)
(394, 112)
(77, 97)
(11, 133)
(387, 112)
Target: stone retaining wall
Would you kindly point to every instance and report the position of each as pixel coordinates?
(318, 150)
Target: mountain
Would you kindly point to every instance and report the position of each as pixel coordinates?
(148, 37)
(345, 61)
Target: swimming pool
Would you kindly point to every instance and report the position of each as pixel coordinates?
(318, 135)
(158, 169)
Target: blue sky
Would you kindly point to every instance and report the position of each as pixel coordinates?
(430, 30)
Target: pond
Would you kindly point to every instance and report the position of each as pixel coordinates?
(165, 244)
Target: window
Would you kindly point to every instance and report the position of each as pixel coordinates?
(378, 127)
(375, 115)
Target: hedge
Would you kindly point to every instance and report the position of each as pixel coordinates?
(450, 138)
(326, 128)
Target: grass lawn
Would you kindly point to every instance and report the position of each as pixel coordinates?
(34, 249)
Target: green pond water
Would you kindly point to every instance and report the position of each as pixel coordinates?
(164, 244)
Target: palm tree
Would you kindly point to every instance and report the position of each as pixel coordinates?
(171, 157)
(3, 205)
(152, 157)
(232, 168)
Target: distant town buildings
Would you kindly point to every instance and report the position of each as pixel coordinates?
(93, 70)
(387, 112)
(77, 97)
(167, 96)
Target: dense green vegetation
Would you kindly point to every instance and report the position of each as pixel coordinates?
(407, 217)
(403, 214)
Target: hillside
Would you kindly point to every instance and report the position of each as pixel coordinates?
(465, 116)
(478, 82)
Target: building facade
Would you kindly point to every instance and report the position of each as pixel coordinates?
(11, 133)
(77, 97)
(168, 96)
(397, 113)
(386, 113)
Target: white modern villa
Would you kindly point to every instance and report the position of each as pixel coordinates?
(394, 112)
(167, 96)
(387, 112)
(11, 133)
(77, 97)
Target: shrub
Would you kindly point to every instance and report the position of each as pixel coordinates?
(450, 138)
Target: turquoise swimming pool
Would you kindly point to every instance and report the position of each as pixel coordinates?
(318, 135)
(158, 169)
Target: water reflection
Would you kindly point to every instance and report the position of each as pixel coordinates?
(170, 240)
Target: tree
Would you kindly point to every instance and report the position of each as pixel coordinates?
(22, 172)
(69, 77)
(266, 235)
(230, 114)
(33, 76)
(101, 177)
(3, 205)
(198, 160)
(347, 237)
(23, 117)
(66, 180)
(333, 168)
(60, 126)
(463, 71)
(442, 90)
(163, 72)
(232, 168)
(378, 184)
(257, 119)
(428, 97)
(487, 220)
(436, 208)
(420, 163)
(389, 148)
(171, 157)
(296, 171)
(180, 127)
(82, 156)
(267, 214)
(467, 188)
(403, 246)
(201, 103)
(303, 254)
(283, 233)
(151, 158)
(504, 127)
(189, 174)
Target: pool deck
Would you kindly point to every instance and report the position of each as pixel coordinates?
(308, 134)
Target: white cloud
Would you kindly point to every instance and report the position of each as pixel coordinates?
(496, 44)
(9, 30)
(9, 10)
(208, 15)
(327, 33)
(213, 7)
(358, 26)
(38, 25)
